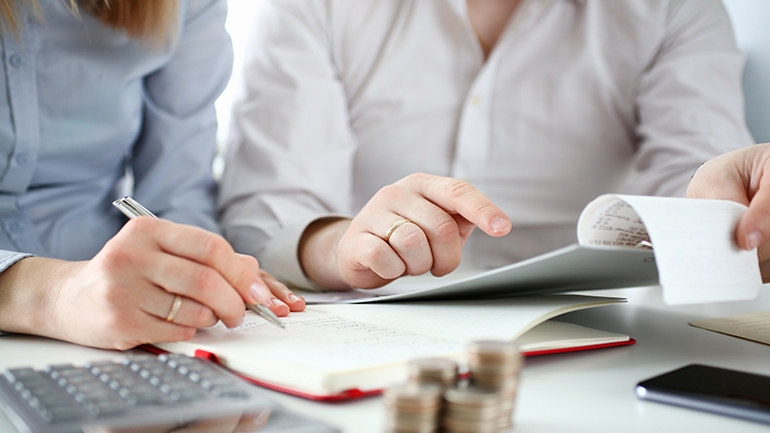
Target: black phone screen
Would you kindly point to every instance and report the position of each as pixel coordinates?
(713, 389)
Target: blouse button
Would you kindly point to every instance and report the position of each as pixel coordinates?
(15, 226)
(22, 159)
(17, 60)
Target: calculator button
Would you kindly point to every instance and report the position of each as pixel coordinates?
(64, 413)
(112, 407)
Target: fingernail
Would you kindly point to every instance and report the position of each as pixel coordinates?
(256, 291)
(753, 239)
(295, 298)
(240, 322)
(278, 303)
(500, 224)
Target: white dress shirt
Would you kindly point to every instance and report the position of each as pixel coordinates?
(577, 99)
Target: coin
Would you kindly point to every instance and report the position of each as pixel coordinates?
(495, 366)
(412, 408)
(439, 370)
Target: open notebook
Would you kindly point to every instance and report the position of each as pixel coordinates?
(335, 352)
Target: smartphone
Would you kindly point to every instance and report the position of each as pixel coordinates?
(711, 389)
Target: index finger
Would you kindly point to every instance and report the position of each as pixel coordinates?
(459, 197)
(214, 251)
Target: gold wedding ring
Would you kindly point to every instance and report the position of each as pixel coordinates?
(174, 308)
(393, 228)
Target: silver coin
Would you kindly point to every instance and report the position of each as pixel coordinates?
(413, 395)
(471, 396)
(458, 426)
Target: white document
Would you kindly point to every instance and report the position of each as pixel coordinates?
(697, 258)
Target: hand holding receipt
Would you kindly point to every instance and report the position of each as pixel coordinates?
(132, 209)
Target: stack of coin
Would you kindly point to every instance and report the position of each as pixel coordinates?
(412, 408)
(442, 371)
(471, 409)
(495, 365)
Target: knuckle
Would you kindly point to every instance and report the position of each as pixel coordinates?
(418, 178)
(215, 246)
(411, 237)
(201, 315)
(206, 278)
(421, 267)
(249, 261)
(389, 192)
(376, 254)
(114, 255)
(444, 267)
(458, 189)
(185, 333)
(447, 230)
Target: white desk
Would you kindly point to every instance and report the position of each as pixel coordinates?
(585, 391)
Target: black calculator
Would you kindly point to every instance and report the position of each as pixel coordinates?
(166, 392)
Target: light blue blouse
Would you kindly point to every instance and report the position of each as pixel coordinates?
(88, 114)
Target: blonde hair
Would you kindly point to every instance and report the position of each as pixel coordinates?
(149, 20)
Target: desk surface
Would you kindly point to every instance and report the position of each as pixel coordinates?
(584, 391)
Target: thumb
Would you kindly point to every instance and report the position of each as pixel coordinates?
(754, 226)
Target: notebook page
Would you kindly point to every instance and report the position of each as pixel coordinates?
(553, 334)
(695, 253)
(332, 342)
(467, 320)
(317, 352)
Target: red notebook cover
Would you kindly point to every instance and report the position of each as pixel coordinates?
(351, 394)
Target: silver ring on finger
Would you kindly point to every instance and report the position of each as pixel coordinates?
(393, 227)
(174, 308)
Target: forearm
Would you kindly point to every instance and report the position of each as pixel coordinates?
(317, 252)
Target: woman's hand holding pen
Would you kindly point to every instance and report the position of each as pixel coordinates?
(125, 295)
(416, 225)
(742, 175)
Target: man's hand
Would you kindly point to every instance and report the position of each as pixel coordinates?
(416, 225)
(742, 175)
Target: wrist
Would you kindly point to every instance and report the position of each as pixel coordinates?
(317, 252)
(28, 293)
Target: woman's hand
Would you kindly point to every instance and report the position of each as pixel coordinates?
(416, 225)
(742, 175)
(155, 281)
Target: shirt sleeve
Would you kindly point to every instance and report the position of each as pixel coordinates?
(172, 158)
(290, 152)
(690, 103)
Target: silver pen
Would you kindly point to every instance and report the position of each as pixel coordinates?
(132, 209)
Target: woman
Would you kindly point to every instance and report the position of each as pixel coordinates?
(100, 99)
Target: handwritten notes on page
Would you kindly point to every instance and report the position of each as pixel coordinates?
(697, 258)
(328, 349)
